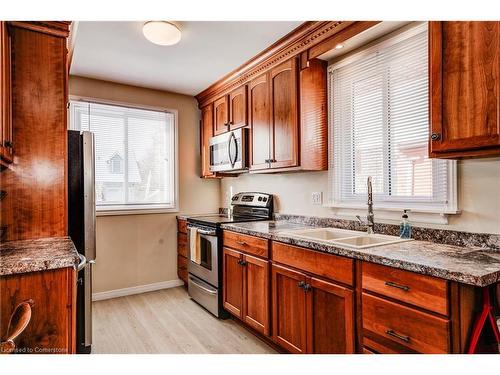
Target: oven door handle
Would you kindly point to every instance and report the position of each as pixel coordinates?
(203, 231)
(198, 285)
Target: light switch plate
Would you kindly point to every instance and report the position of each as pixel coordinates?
(317, 197)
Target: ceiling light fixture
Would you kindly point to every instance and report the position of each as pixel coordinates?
(339, 46)
(161, 32)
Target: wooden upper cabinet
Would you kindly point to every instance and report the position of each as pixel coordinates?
(6, 143)
(233, 282)
(260, 124)
(464, 88)
(206, 131)
(238, 108)
(289, 309)
(284, 115)
(330, 318)
(221, 115)
(256, 285)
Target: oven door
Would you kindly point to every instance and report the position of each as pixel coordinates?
(228, 151)
(207, 270)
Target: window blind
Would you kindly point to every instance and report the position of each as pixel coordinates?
(379, 121)
(134, 154)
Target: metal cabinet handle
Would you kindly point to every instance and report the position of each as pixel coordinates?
(307, 287)
(242, 262)
(301, 284)
(435, 136)
(392, 333)
(7, 144)
(241, 243)
(394, 285)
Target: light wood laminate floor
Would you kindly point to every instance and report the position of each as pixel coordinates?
(167, 321)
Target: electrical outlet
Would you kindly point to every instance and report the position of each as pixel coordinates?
(317, 197)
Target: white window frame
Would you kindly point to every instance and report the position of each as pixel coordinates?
(385, 210)
(146, 208)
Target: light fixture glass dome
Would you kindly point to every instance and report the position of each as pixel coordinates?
(161, 32)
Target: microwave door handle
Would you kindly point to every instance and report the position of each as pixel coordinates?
(232, 139)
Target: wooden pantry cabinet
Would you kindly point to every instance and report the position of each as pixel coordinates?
(464, 71)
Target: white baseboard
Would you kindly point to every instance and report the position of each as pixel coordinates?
(136, 290)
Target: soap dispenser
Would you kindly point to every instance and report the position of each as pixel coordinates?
(405, 226)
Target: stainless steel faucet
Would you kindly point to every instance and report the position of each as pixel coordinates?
(369, 217)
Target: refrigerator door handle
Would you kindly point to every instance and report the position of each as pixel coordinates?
(89, 194)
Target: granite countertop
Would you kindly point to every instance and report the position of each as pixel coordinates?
(37, 255)
(468, 265)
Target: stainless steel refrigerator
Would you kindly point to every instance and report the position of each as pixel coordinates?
(81, 227)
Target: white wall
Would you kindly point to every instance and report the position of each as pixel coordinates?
(478, 188)
(135, 250)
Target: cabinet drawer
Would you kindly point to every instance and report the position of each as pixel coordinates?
(328, 265)
(182, 246)
(427, 292)
(182, 226)
(405, 326)
(248, 244)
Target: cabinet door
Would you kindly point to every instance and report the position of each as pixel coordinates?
(330, 318)
(207, 131)
(256, 294)
(238, 108)
(6, 150)
(464, 86)
(289, 309)
(284, 115)
(260, 124)
(233, 282)
(221, 115)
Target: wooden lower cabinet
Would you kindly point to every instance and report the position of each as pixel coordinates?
(311, 315)
(330, 318)
(51, 329)
(182, 250)
(256, 294)
(289, 309)
(246, 289)
(233, 282)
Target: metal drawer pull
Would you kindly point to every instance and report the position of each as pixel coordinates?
(394, 285)
(241, 243)
(392, 333)
(241, 262)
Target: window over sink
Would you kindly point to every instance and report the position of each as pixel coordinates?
(379, 127)
(135, 156)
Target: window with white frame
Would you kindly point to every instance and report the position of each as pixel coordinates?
(379, 124)
(135, 155)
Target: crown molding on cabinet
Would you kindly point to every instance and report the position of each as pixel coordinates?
(298, 42)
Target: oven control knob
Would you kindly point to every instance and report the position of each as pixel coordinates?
(260, 199)
(264, 199)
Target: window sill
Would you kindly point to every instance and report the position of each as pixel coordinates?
(135, 211)
(392, 215)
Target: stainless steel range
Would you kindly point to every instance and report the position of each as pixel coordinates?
(205, 247)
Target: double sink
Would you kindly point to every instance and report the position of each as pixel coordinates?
(348, 238)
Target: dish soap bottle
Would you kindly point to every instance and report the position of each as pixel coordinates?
(405, 226)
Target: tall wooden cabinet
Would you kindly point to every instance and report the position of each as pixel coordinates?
(284, 135)
(6, 144)
(260, 115)
(464, 88)
(36, 202)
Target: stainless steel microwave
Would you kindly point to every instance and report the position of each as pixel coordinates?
(228, 151)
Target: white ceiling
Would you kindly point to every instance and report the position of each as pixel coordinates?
(117, 51)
